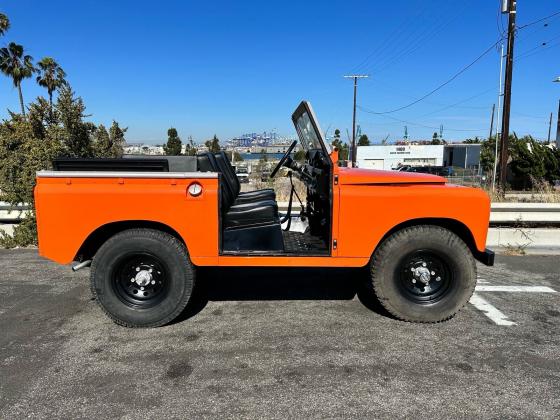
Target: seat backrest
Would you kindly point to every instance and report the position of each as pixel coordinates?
(206, 162)
(235, 181)
(229, 177)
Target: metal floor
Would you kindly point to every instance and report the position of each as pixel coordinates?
(303, 243)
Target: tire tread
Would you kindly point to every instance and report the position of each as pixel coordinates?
(381, 254)
(153, 234)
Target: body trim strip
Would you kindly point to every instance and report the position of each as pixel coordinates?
(116, 174)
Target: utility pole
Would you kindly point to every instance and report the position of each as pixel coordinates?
(353, 147)
(511, 11)
(549, 128)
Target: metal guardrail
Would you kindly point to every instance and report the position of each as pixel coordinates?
(501, 213)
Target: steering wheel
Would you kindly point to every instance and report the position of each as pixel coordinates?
(284, 158)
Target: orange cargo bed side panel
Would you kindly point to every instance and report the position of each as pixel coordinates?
(70, 209)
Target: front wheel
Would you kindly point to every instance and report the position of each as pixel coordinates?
(423, 274)
(142, 278)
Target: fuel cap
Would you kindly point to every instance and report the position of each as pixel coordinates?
(195, 189)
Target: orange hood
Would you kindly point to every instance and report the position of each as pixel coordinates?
(356, 176)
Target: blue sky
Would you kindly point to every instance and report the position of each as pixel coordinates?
(226, 68)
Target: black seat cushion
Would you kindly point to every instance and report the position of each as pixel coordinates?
(250, 216)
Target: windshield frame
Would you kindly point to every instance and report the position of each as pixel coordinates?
(305, 107)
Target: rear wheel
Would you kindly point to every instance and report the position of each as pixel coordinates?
(423, 274)
(142, 278)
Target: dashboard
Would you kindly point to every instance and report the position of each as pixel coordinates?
(315, 173)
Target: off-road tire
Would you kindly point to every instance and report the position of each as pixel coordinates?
(387, 266)
(180, 277)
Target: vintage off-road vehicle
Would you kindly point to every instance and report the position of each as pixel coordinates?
(145, 225)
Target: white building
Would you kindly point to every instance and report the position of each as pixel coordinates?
(143, 149)
(391, 156)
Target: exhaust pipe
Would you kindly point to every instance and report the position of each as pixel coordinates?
(81, 265)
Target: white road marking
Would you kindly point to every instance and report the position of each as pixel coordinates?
(498, 317)
(533, 289)
(482, 281)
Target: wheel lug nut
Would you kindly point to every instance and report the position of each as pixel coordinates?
(433, 272)
(137, 268)
(142, 288)
(423, 264)
(132, 280)
(153, 282)
(413, 280)
(438, 278)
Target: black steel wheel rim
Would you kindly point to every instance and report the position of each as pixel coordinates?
(140, 280)
(425, 276)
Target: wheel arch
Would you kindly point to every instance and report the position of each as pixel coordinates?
(99, 236)
(454, 225)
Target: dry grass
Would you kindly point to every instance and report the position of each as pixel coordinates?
(542, 192)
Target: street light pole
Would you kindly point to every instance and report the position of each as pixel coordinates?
(353, 146)
(558, 127)
(549, 128)
(500, 94)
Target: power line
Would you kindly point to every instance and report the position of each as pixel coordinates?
(538, 20)
(361, 108)
(456, 104)
(539, 48)
(389, 42)
(464, 69)
(417, 42)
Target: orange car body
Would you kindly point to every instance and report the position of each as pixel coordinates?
(366, 206)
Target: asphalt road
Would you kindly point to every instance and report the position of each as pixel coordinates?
(265, 343)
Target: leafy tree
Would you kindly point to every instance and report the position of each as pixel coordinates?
(117, 140)
(101, 142)
(108, 144)
(51, 76)
(74, 133)
(173, 146)
(340, 145)
(4, 24)
(213, 145)
(435, 139)
(29, 144)
(487, 153)
(299, 155)
(22, 153)
(336, 134)
(16, 65)
(363, 140)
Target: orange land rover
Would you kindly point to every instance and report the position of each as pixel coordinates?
(145, 225)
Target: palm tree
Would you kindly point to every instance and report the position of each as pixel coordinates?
(4, 24)
(51, 76)
(14, 64)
